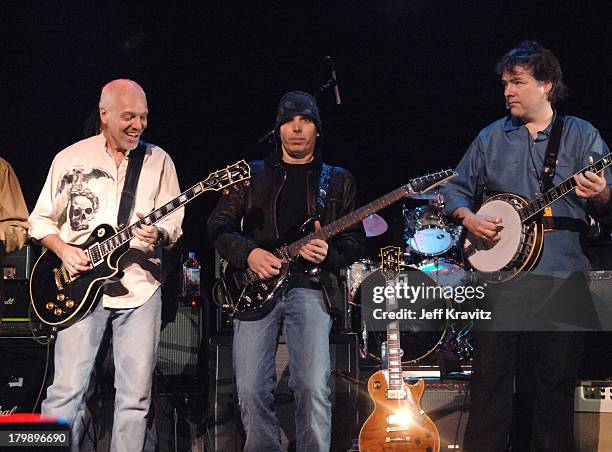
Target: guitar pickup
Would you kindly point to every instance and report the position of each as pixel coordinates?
(395, 394)
(399, 428)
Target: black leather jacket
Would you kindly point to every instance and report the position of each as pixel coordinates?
(245, 219)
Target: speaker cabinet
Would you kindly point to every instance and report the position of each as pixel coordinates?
(22, 366)
(226, 429)
(447, 402)
(181, 344)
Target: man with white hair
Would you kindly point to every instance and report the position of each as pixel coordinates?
(84, 189)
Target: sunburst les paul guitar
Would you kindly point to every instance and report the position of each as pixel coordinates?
(60, 300)
(521, 234)
(251, 297)
(397, 423)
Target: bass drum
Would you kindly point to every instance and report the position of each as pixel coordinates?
(445, 271)
(417, 343)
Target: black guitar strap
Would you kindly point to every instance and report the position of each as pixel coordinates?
(552, 150)
(128, 194)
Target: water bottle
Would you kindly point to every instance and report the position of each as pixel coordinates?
(191, 277)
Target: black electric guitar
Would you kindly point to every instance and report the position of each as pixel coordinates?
(60, 300)
(250, 297)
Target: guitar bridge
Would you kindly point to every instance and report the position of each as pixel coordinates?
(57, 276)
(400, 439)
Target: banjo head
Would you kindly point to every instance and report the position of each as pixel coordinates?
(486, 258)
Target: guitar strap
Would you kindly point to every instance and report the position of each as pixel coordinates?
(324, 180)
(552, 150)
(132, 175)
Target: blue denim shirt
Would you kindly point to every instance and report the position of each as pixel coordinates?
(504, 158)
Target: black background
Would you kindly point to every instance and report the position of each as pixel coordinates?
(416, 79)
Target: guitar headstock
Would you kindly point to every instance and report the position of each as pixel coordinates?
(230, 175)
(391, 261)
(428, 182)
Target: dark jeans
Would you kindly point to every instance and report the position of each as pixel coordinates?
(537, 411)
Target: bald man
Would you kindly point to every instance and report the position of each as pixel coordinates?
(82, 190)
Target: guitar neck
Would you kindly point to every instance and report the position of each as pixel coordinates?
(540, 203)
(126, 234)
(394, 356)
(346, 222)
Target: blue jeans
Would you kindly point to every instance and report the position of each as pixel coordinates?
(306, 326)
(135, 341)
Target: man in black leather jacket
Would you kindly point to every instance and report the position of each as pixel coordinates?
(289, 185)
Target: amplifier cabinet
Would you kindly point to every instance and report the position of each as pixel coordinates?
(22, 366)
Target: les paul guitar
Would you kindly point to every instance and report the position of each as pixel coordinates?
(60, 300)
(251, 298)
(397, 423)
(521, 234)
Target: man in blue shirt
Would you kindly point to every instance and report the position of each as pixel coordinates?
(508, 156)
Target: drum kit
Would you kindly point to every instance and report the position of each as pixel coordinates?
(431, 242)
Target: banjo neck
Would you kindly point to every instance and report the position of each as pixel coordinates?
(536, 206)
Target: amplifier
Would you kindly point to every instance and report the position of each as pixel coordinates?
(181, 343)
(593, 396)
(22, 365)
(18, 265)
(14, 309)
(446, 402)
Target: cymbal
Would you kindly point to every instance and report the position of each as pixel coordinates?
(374, 225)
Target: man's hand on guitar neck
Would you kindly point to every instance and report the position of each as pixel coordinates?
(74, 259)
(593, 186)
(264, 263)
(315, 250)
(481, 226)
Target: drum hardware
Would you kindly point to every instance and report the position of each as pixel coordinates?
(459, 343)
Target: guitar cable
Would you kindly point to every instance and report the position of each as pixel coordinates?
(51, 337)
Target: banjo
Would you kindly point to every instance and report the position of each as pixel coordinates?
(521, 234)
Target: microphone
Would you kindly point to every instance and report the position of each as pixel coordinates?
(333, 76)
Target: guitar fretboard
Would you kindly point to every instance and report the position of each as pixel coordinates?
(345, 222)
(537, 205)
(102, 249)
(216, 180)
(394, 355)
(391, 259)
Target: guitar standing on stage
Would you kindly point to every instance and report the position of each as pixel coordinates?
(83, 189)
(507, 157)
(291, 184)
